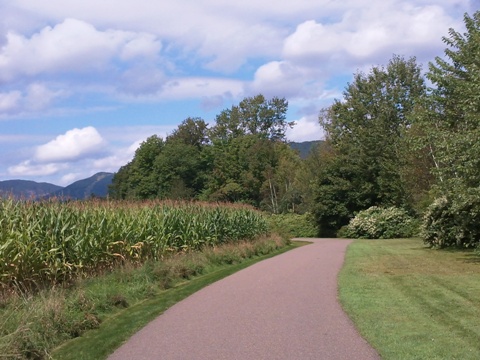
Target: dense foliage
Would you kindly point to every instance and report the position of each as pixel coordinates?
(380, 223)
(293, 225)
(449, 120)
(453, 220)
(53, 241)
(243, 158)
(364, 160)
(391, 141)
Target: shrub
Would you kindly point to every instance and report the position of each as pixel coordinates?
(452, 221)
(293, 225)
(380, 223)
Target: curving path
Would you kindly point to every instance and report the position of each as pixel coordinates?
(282, 308)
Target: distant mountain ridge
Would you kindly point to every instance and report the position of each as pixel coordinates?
(96, 185)
(304, 147)
(26, 189)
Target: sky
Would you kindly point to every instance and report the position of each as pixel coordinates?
(84, 82)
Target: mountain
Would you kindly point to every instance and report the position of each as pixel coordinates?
(96, 185)
(304, 147)
(26, 189)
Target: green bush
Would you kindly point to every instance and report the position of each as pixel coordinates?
(293, 225)
(452, 221)
(380, 223)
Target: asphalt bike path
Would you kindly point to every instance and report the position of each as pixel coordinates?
(285, 307)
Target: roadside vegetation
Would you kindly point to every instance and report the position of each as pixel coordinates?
(411, 302)
(68, 266)
(54, 241)
(293, 225)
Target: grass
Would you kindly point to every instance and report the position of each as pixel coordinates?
(412, 302)
(117, 326)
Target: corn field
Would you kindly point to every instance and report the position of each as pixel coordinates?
(51, 241)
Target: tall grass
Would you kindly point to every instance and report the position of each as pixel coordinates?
(52, 241)
(117, 303)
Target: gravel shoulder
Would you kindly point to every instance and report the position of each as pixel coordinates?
(285, 307)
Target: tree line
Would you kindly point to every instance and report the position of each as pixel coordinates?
(391, 141)
(244, 158)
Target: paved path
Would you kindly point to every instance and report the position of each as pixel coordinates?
(282, 308)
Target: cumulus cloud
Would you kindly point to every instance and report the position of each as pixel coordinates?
(139, 81)
(201, 87)
(35, 97)
(215, 101)
(365, 35)
(38, 96)
(29, 168)
(72, 155)
(145, 46)
(307, 128)
(72, 145)
(10, 101)
(281, 78)
(120, 157)
(71, 46)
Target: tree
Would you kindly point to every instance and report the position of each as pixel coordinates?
(365, 136)
(174, 168)
(449, 118)
(240, 166)
(136, 180)
(281, 191)
(448, 123)
(180, 170)
(192, 131)
(255, 116)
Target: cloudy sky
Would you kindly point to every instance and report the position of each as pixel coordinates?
(82, 83)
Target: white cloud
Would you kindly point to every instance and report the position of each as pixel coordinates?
(367, 34)
(71, 177)
(34, 98)
(71, 46)
(200, 87)
(219, 35)
(141, 80)
(28, 168)
(135, 134)
(307, 128)
(71, 146)
(281, 78)
(10, 101)
(113, 162)
(39, 97)
(141, 46)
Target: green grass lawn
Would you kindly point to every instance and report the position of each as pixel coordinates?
(411, 302)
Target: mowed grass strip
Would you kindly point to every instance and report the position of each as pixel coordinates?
(412, 302)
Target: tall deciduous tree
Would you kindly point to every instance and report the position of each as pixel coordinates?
(255, 116)
(365, 132)
(136, 180)
(450, 118)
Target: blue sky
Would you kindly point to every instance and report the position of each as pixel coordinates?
(82, 83)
